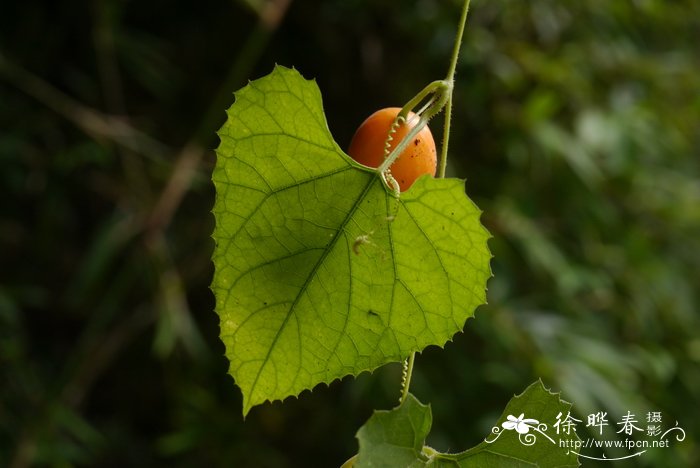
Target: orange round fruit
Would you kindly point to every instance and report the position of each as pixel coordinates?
(419, 157)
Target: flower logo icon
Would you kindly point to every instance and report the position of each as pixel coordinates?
(520, 424)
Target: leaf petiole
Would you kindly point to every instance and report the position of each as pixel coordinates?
(439, 93)
(437, 90)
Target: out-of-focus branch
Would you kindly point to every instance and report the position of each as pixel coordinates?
(101, 126)
(103, 353)
(270, 14)
(178, 184)
(103, 36)
(98, 125)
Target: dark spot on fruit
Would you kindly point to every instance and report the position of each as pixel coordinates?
(416, 141)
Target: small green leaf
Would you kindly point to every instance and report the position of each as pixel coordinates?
(395, 438)
(401, 432)
(320, 272)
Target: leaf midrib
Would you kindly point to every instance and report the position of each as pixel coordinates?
(311, 275)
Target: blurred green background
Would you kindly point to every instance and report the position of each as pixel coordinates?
(576, 125)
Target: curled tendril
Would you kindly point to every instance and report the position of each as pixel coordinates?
(404, 378)
(398, 121)
(386, 175)
(389, 179)
(391, 182)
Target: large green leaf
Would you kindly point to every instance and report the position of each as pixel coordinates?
(397, 437)
(320, 271)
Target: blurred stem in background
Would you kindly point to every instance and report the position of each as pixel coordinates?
(110, 328)
(575, 125)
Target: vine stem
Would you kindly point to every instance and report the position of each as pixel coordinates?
(446, 87)
(450, 79)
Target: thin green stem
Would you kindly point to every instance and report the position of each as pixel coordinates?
(458, 41)
(450, 79)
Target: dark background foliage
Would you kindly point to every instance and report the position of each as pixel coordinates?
(576, 126)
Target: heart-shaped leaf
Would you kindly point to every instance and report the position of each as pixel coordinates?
(320, 271)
